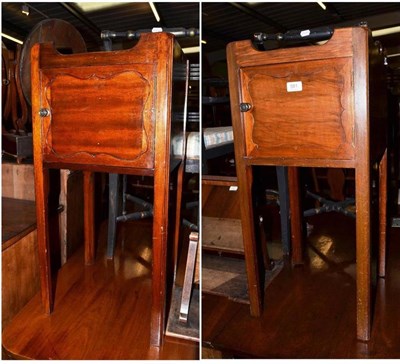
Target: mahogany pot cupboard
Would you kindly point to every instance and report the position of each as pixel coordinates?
(108, 112)
(312, 106)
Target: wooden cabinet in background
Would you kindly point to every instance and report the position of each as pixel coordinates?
(221, 226)
(20, 265)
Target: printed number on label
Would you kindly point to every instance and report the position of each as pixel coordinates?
(294, 86)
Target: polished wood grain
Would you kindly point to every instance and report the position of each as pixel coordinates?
(310, 311)
(363, 185)
(245, 176)
(42, 215)
(328, 123)
(65, 37)
(383, 180)
(104, 112)
(102, 311)
(287, 132)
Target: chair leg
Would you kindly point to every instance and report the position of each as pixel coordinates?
(189, 273)
(284, 206)
(382, 214)
(363, 251)
(42, 215)
(88, 196)
(113, 179)
(295, 215)
(124, 189)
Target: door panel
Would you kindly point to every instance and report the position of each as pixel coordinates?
(305, 109)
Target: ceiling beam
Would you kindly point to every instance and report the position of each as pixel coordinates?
(38, 11)
(7, 26)
(219, 36)
(255, 14)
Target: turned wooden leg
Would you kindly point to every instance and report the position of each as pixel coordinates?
(42, 215)
(245, 181)
(382, 214)
(179, 187)
(296, 215)
(113, 185)
(363, 255)
(160, 235)
(88, 211)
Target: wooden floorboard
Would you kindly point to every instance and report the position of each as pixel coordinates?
(101, 311)
(310, 310)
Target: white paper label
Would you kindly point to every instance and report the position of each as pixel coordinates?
(294, 86)
(233, 188)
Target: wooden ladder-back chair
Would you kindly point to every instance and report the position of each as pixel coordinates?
(312, 106)
(106, 112)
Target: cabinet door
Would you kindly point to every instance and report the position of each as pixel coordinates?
(299, 110)
(102, 114)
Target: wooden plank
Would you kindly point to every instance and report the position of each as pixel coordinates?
(222, 234)
(219, 180)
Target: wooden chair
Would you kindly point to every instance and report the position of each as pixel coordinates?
(312, 106)
(104, 111)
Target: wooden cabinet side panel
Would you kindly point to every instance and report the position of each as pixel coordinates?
(20, 276)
